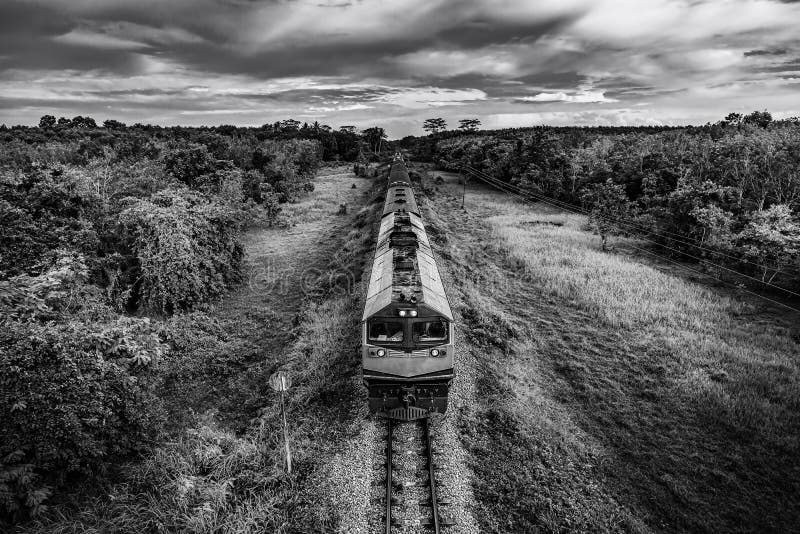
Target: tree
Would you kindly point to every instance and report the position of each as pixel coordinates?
(63, 121)
(469, 125)
(83, 122)
(759, 118)
(374, 137)
(434, 126)
(190, 164)
(47, 121)
(289, 125)
(734, 119)
(771, 239)
(607, 203)
(113, 124)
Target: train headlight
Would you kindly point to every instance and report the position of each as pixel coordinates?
(402, 313)
(434, 352)
(407, 313)
(381, 353)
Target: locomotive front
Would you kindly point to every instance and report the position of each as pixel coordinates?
(407, 326)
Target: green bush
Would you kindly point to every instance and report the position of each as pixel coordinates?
(74, 385)
(187, 247)
(189, 164)
(43, 210)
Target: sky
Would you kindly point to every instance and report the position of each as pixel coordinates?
(394, 63)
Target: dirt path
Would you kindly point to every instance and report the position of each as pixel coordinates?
(284, 263)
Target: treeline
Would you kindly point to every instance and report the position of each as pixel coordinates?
(106, 233)
(727, 193)
(337, 144)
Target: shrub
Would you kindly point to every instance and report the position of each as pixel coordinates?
(74, 388)
(771, 239)
(43, 210)
(187, 165)
(187, 249)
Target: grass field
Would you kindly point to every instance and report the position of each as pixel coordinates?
(629, 398)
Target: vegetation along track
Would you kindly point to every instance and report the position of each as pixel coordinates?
(410, 481)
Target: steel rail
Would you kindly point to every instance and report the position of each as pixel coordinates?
(431, 479)
(389, 479)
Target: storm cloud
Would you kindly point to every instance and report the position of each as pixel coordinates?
(396, 63)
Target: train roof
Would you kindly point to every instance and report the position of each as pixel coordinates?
(404, 271)
(398, 172)
(399, 195)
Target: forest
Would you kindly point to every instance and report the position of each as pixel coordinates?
(111, 236)
(725, 195)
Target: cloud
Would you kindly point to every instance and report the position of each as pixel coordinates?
(248, 62)
(99, 40)
(582, 97)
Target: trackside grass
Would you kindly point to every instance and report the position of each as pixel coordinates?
(617, 395)
(566, 261)
(739, 366)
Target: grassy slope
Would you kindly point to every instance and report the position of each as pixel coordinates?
(212, 479)
(616, 397)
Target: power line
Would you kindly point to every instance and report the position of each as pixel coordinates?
(635, 226)
(677, 235)
(578, 210)
(671, 260)
(701, 273)
(688, 241)
(574, 210)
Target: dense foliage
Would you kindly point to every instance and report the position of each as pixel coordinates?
(74, 388)
(106, 231)
(725, 193)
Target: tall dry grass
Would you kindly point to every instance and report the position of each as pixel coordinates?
(703, 382)
(743, 371)
(567, 261)
(327, 196)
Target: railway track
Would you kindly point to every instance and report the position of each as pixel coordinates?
(411, 500)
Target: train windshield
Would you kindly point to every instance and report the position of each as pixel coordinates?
(385, 331)
(425, 331)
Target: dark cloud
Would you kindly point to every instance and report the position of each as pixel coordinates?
(553, 79)
(772, 52)
(792, 65)
(55, 56)
(476, 34)
(215, 25)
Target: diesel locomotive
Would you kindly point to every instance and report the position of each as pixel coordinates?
(407, 326)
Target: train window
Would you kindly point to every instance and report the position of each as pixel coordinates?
(385, 331)
(430, 331)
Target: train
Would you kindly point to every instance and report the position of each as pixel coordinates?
(407, 348)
